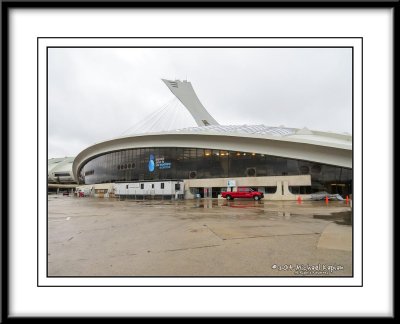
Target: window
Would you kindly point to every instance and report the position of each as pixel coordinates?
(270, 189)
(304, 169)
(316, 168)
(126, 186)
(142, 186)
(101, 191)
(61, 174)
(300, 190)
(152, 186)
(162, 185)
(177, 186)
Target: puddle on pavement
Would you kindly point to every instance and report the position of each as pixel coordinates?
(340, 218)
(236, 209)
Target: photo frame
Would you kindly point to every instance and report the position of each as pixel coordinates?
(22, 285)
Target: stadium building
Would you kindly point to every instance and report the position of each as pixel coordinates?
(60, 175)
(59, 170)
(202, 161)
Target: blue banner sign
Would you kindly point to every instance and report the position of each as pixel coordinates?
(161, 164)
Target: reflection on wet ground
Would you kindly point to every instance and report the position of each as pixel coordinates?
(202, 237)
(340, 218)
(287, 209)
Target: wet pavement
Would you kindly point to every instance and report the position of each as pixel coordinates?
(214, 237)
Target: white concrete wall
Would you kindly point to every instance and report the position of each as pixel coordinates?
(299, 180)
(282, 184)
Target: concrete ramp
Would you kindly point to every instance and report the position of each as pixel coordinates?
(336, 237)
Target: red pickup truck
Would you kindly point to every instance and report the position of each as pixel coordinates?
(242, 192)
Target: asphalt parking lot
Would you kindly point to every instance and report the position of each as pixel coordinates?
(109, 237)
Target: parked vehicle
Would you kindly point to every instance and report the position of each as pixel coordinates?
(65, 193)
(242, 192)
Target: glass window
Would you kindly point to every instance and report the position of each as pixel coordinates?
(202, 163)
(270, 190)
(186, 154)
(62, 174)
(304, 169)
(316, 169)
(162, 185)
(179, 154)
(142, 186)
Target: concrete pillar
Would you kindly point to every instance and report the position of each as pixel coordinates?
(207, 192)
(286, 191)
(279, 188)
(188, 194)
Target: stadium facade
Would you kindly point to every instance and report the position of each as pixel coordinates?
(210, 158)
(59, 170)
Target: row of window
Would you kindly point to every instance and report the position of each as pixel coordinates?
(126, 166)
(152, 186)
(177, 186)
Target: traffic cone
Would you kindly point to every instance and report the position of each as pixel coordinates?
(347, 200)
(299, 200)
(326, 199)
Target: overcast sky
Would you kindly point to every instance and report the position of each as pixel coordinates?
(97, 94)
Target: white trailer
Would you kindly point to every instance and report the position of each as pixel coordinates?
(150, 189)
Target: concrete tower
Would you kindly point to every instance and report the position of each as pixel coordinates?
(183, 90)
